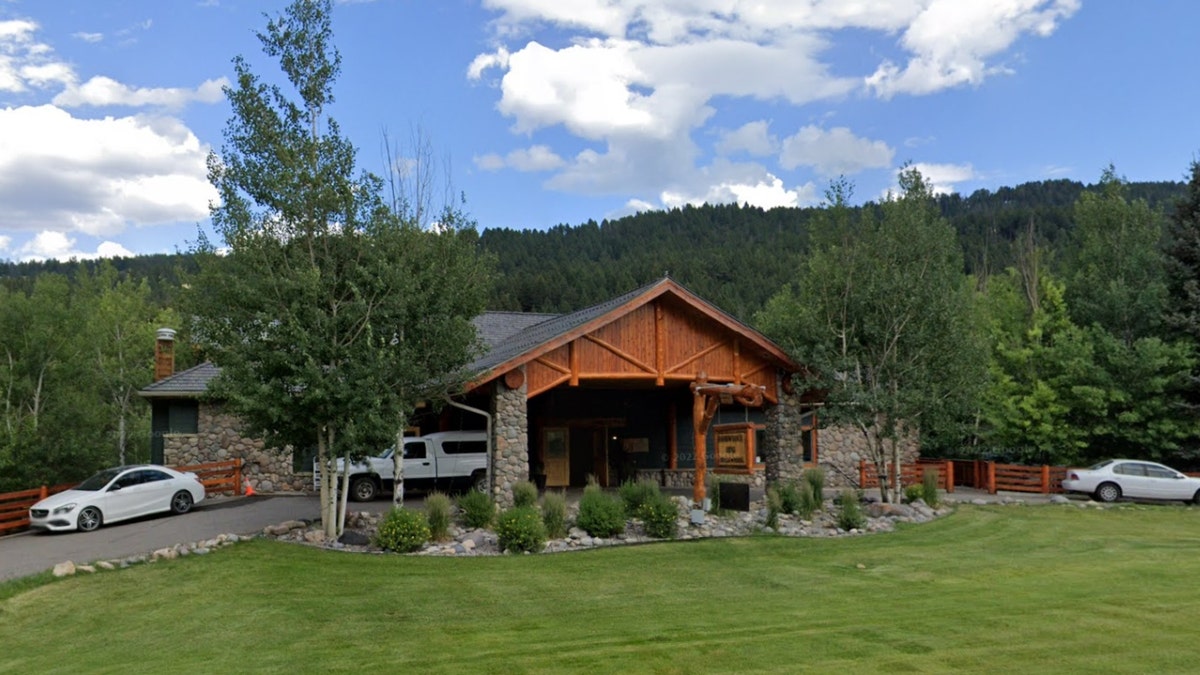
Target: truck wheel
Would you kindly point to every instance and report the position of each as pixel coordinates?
(479, 482)
(363, 489)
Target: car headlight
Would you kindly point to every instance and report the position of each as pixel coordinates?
(65, 508)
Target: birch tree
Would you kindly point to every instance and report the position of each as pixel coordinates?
(882, 316)
(330, 317)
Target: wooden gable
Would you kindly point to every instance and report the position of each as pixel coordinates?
(670, 338)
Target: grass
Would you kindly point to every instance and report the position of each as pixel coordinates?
(988, 589)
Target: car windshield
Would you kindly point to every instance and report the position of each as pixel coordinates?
(386, 454)
(98, 481)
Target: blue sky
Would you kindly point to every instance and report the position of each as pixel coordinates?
(548, 111)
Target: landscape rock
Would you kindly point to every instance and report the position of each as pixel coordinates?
(64, 569)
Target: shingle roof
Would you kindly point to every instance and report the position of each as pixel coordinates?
(506, 335)
(539, 333)
(191, 382)
(496, 327)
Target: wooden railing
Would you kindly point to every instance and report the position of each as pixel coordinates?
(1016, 478)
(217, 478)
(14, 506)
(912, 473)
(977, 474)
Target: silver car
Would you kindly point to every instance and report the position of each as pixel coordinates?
(1113, 479)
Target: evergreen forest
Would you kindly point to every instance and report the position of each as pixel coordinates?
(1087, 297)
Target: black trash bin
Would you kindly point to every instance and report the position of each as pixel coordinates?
(734, 496)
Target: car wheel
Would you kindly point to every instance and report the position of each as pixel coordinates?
(1108, 492)
(363, 489)
(479, 481)
(1196, 498)
(89, 519)
(181, 502)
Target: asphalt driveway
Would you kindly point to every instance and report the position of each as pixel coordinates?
(32, 552)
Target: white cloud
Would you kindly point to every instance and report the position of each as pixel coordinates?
(489, 162)
(951, 42)
(49, 244)
(941, 178)
(105, 91)
(534, 158)
(641, 80)
(88, 37)
(752, 138)
(5, 243)
(98, 176)
(834, 152)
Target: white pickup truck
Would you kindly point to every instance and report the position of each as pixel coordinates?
(446, 460)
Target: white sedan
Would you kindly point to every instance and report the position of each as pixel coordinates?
(1113, 479)
(117, 494)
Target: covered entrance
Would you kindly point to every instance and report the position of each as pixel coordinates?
(606, 392)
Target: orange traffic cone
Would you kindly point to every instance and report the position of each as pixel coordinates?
(249, 491)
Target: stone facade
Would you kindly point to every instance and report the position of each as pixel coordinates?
(841, 448)
(784, 438)
(220, 439)
(685, 478)
(510, 440)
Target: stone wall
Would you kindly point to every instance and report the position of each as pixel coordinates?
(839, 450)
(220, 439)
(510, 441)
(784, 438)
(684, 478)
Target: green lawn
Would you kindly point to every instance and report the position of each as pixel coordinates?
(988, 589)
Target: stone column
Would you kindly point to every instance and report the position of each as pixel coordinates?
(784, 451)
(510, 440)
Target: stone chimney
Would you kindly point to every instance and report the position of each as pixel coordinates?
(164, 353)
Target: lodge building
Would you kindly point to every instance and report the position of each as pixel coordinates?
(626, 389)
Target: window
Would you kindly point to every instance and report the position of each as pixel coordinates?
(152, 475)
(464, 447)
(1159, 472)
(1130, 469)
(808, 436)
(414, 450)
(303, 459)
(183, 417)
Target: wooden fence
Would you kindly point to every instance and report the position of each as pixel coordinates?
(978, 474)
(912, 473)
(217, 478)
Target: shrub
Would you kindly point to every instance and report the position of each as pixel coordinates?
(477, 509)
(850, 515)
(520, 530)
(600, 514)
(437, 511)
(712, 490)
(403, 531)
(912, 493)
(634, 495)
(524, 494)
(658, 515)
(929, 487)
(774, 507)
(554, 515)
(815, 479)
(789, 498)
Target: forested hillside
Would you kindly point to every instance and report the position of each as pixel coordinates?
(735, 256)
(1083, 307)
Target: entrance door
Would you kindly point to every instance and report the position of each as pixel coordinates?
(558, 459)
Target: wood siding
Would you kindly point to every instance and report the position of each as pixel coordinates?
(664, 341)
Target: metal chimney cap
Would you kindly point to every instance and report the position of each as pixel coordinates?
(166, 334)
